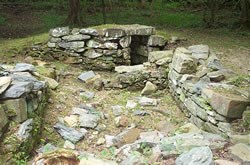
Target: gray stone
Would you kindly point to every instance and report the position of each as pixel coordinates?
(195, 109)
(215, 65)
(86, 76)
(174, 76)
(164, 61)
(145, 101)
(225, 127)
(23, 67)
(241, 152)
(184, 142)
(59, 32)
(18, 108)
(109, 140)
(216, 76)
(51, 45)
(89, 120)
(127, 69)
(135, 158)
(92, 54)
(69, 145)
(117, 110)
(197, 121)
(74, 45)
(131, 104)
(196, 156)
(136, 29)
(55, 40)
(25, 129)
(89, 31)
(47, 148)
(183, 63)
(69, 133)
(94, 44)
(211, 128)
(76, 37)
(110, 45)
(4, 83)
(19, 77)
(125, 41)
(156, 40)
(199, 51)
(151, 137)
(87, 94)
(141, 113)
(114, 32)
(149, 88)
(158, 55)
(71, 120)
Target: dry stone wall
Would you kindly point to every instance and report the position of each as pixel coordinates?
(104, 47)
(22, 102)
(194, 75)
(196, 81)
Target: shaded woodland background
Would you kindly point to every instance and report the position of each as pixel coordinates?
(24, 17)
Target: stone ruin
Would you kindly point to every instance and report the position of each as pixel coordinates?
(194, 75)
(104, 48)
(22, 102)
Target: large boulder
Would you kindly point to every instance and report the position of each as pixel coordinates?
(199, 51)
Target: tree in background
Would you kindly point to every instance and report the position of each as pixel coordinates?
(245, 13)
(74, 12)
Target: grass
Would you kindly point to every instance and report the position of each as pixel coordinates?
(7, 47)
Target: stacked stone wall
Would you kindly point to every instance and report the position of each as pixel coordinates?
(22, 103)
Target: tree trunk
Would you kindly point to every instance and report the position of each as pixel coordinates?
(104, 11)
(245, 13)
(74, 12)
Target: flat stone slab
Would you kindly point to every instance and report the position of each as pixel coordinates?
(69, 133)
(23, 67)
(112, 30)
(17, 90)
(86, 76)
(127, 69)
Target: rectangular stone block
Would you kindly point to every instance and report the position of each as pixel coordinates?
(183, 63)
(229, 105)
(18, 107)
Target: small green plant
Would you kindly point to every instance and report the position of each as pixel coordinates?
(146, 150)
(21, 158)
(108, 153)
